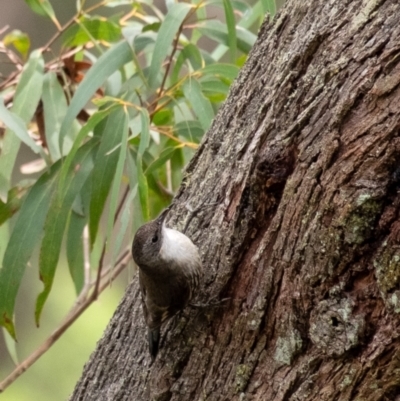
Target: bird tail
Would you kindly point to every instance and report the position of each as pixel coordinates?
(153, 336)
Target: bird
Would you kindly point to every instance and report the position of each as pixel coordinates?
(170, 270)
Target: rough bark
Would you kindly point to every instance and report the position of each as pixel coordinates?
(303, 165)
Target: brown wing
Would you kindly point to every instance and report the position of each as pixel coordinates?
(163, 298)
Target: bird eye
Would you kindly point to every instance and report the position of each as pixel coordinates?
(155, 238)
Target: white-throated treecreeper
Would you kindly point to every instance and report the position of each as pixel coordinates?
(169, 274)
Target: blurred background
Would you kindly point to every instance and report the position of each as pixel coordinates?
(54, 375)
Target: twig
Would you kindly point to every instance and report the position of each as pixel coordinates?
(169, 62)
(5, 28)
(28, 362)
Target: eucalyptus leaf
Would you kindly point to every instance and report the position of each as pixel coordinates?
(55, 106)
(110, 132)
(168, 30)
(57, 218)
(110, 61)
(116, 185)
(26, 99)
(24, 237)
(200, 104)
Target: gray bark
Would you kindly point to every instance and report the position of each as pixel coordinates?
(301, 174)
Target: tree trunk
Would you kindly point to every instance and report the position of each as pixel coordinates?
(299, 179)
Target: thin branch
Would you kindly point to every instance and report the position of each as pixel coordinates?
(28, 362)
(169, 62)
(4, 29)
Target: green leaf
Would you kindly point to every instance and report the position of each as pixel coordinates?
(155, 26)
(191, 53)
(57, 218)
(26, 99)
(14, 201)
(165, 37)
(110, 131)
(143, 188)
(145, 132)
(164, 156)
(17, 125)
(93, 121)
(41, 7)
(55, 106)
(231, 25)
(116, 185)
(200, 104)
(11, 346)
(162, 117)
(124, 220)
(220, 70)
(269, 6)
(217, 30)
(75, 249)
(25, 235)
(91, 28)
(108, 62)
(19, 40)
(75, 233)
(215, 90)
(190, 130)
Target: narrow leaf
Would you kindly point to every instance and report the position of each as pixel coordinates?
(110, 61)
(191, 53)
(14, 201)
(75, 249)
(93, 121)
(217, 30)
(116, 185)
(190, 130)
(145, 132)
(91, 28)
(220, 70)
(164, 156)
(231, 25)
(26, 99)
(19, 40)
(41, 7)
(11, 346)
(269, 6)
(200, 104)
(57, 218)
(124, 222)
(143, 189)
(110, 132)
(17, 125)
(55, 106)
(165, 37)
(25, 235)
